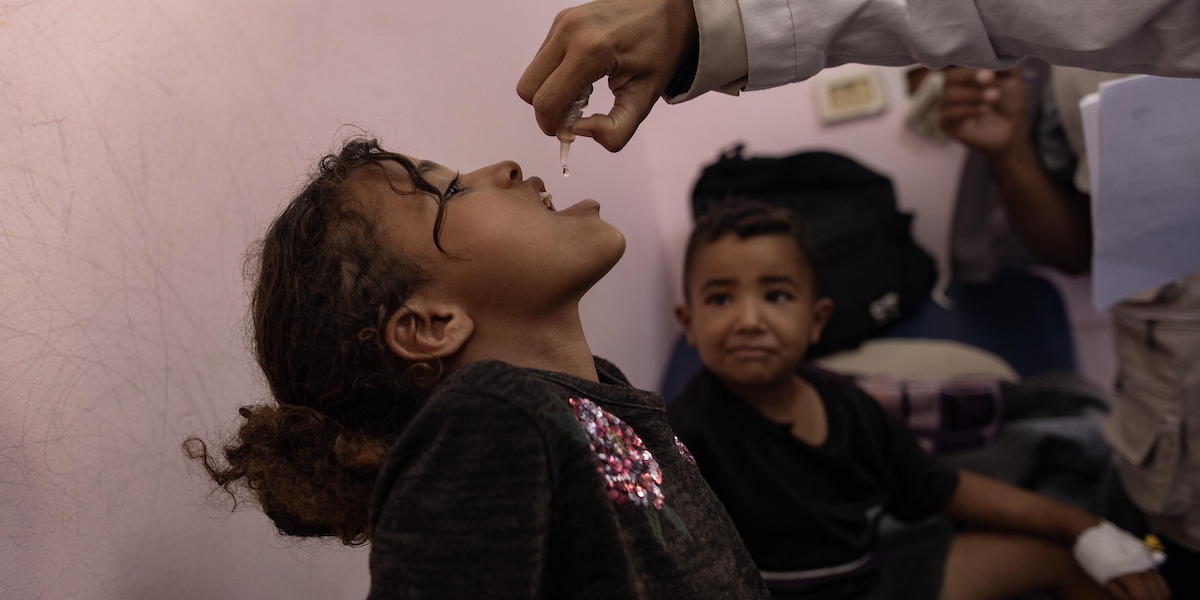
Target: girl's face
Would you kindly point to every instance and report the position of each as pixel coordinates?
(508, 249)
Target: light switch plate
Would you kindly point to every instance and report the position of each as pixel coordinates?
(850, 96)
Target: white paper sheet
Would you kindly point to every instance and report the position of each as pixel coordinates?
(1089, 113)
(1142, 136)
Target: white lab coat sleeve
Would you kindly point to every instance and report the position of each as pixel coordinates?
(791, 40)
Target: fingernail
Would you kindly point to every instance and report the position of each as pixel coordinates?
(991, 94)
(985, 77)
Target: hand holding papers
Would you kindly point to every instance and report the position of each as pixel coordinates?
(1143, 144)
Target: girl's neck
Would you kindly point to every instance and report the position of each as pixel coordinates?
(552, 343)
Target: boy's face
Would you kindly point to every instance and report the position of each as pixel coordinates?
(750, 308)
(507, 251)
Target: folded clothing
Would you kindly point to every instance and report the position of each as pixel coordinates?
(946, 416)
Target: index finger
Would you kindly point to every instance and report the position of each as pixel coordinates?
(961, 76)
(1116, 590)
(568, 81)
(547, 58)
(1137, 587)
(1158, 584)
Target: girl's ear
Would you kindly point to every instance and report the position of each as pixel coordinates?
(822, 311)
(425, 330)
(683, 315)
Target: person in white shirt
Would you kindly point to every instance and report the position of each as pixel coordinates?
(697, 46)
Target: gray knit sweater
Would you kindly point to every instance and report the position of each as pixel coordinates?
(518, 483)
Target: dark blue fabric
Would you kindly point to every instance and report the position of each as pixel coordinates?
(684, 363)
(1020, 317)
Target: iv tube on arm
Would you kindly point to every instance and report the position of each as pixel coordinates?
(565, 136)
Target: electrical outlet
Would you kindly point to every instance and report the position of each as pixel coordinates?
(852, 96)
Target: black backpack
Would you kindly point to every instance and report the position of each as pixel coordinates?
(867, 261)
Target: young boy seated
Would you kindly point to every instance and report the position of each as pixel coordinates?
(806, 463)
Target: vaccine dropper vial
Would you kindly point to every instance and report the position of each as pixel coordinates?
(565, 135)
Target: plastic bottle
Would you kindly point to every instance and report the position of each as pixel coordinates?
(565, 136)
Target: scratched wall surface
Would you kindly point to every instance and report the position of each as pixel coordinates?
(144, 147)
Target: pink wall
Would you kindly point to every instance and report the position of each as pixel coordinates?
(148, 144)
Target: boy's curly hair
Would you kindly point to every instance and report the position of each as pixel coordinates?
(324, 287)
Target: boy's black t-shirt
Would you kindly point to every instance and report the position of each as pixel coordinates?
(497, 489)
(800, 507)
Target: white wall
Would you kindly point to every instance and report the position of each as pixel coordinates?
(146, 146)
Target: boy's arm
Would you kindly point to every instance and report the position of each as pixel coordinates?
(987, 502)
(983, 501)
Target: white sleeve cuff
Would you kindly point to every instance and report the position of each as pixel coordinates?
(722, 61)
(774, 53)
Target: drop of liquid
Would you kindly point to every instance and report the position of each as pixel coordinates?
(564, 149)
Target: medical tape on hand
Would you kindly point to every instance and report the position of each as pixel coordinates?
(1106, 552)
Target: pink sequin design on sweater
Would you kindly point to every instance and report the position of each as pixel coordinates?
(629, 469)
(683, 451)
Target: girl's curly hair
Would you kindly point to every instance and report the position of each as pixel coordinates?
(324, 287)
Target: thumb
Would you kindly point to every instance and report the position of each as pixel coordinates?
(631, 104)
